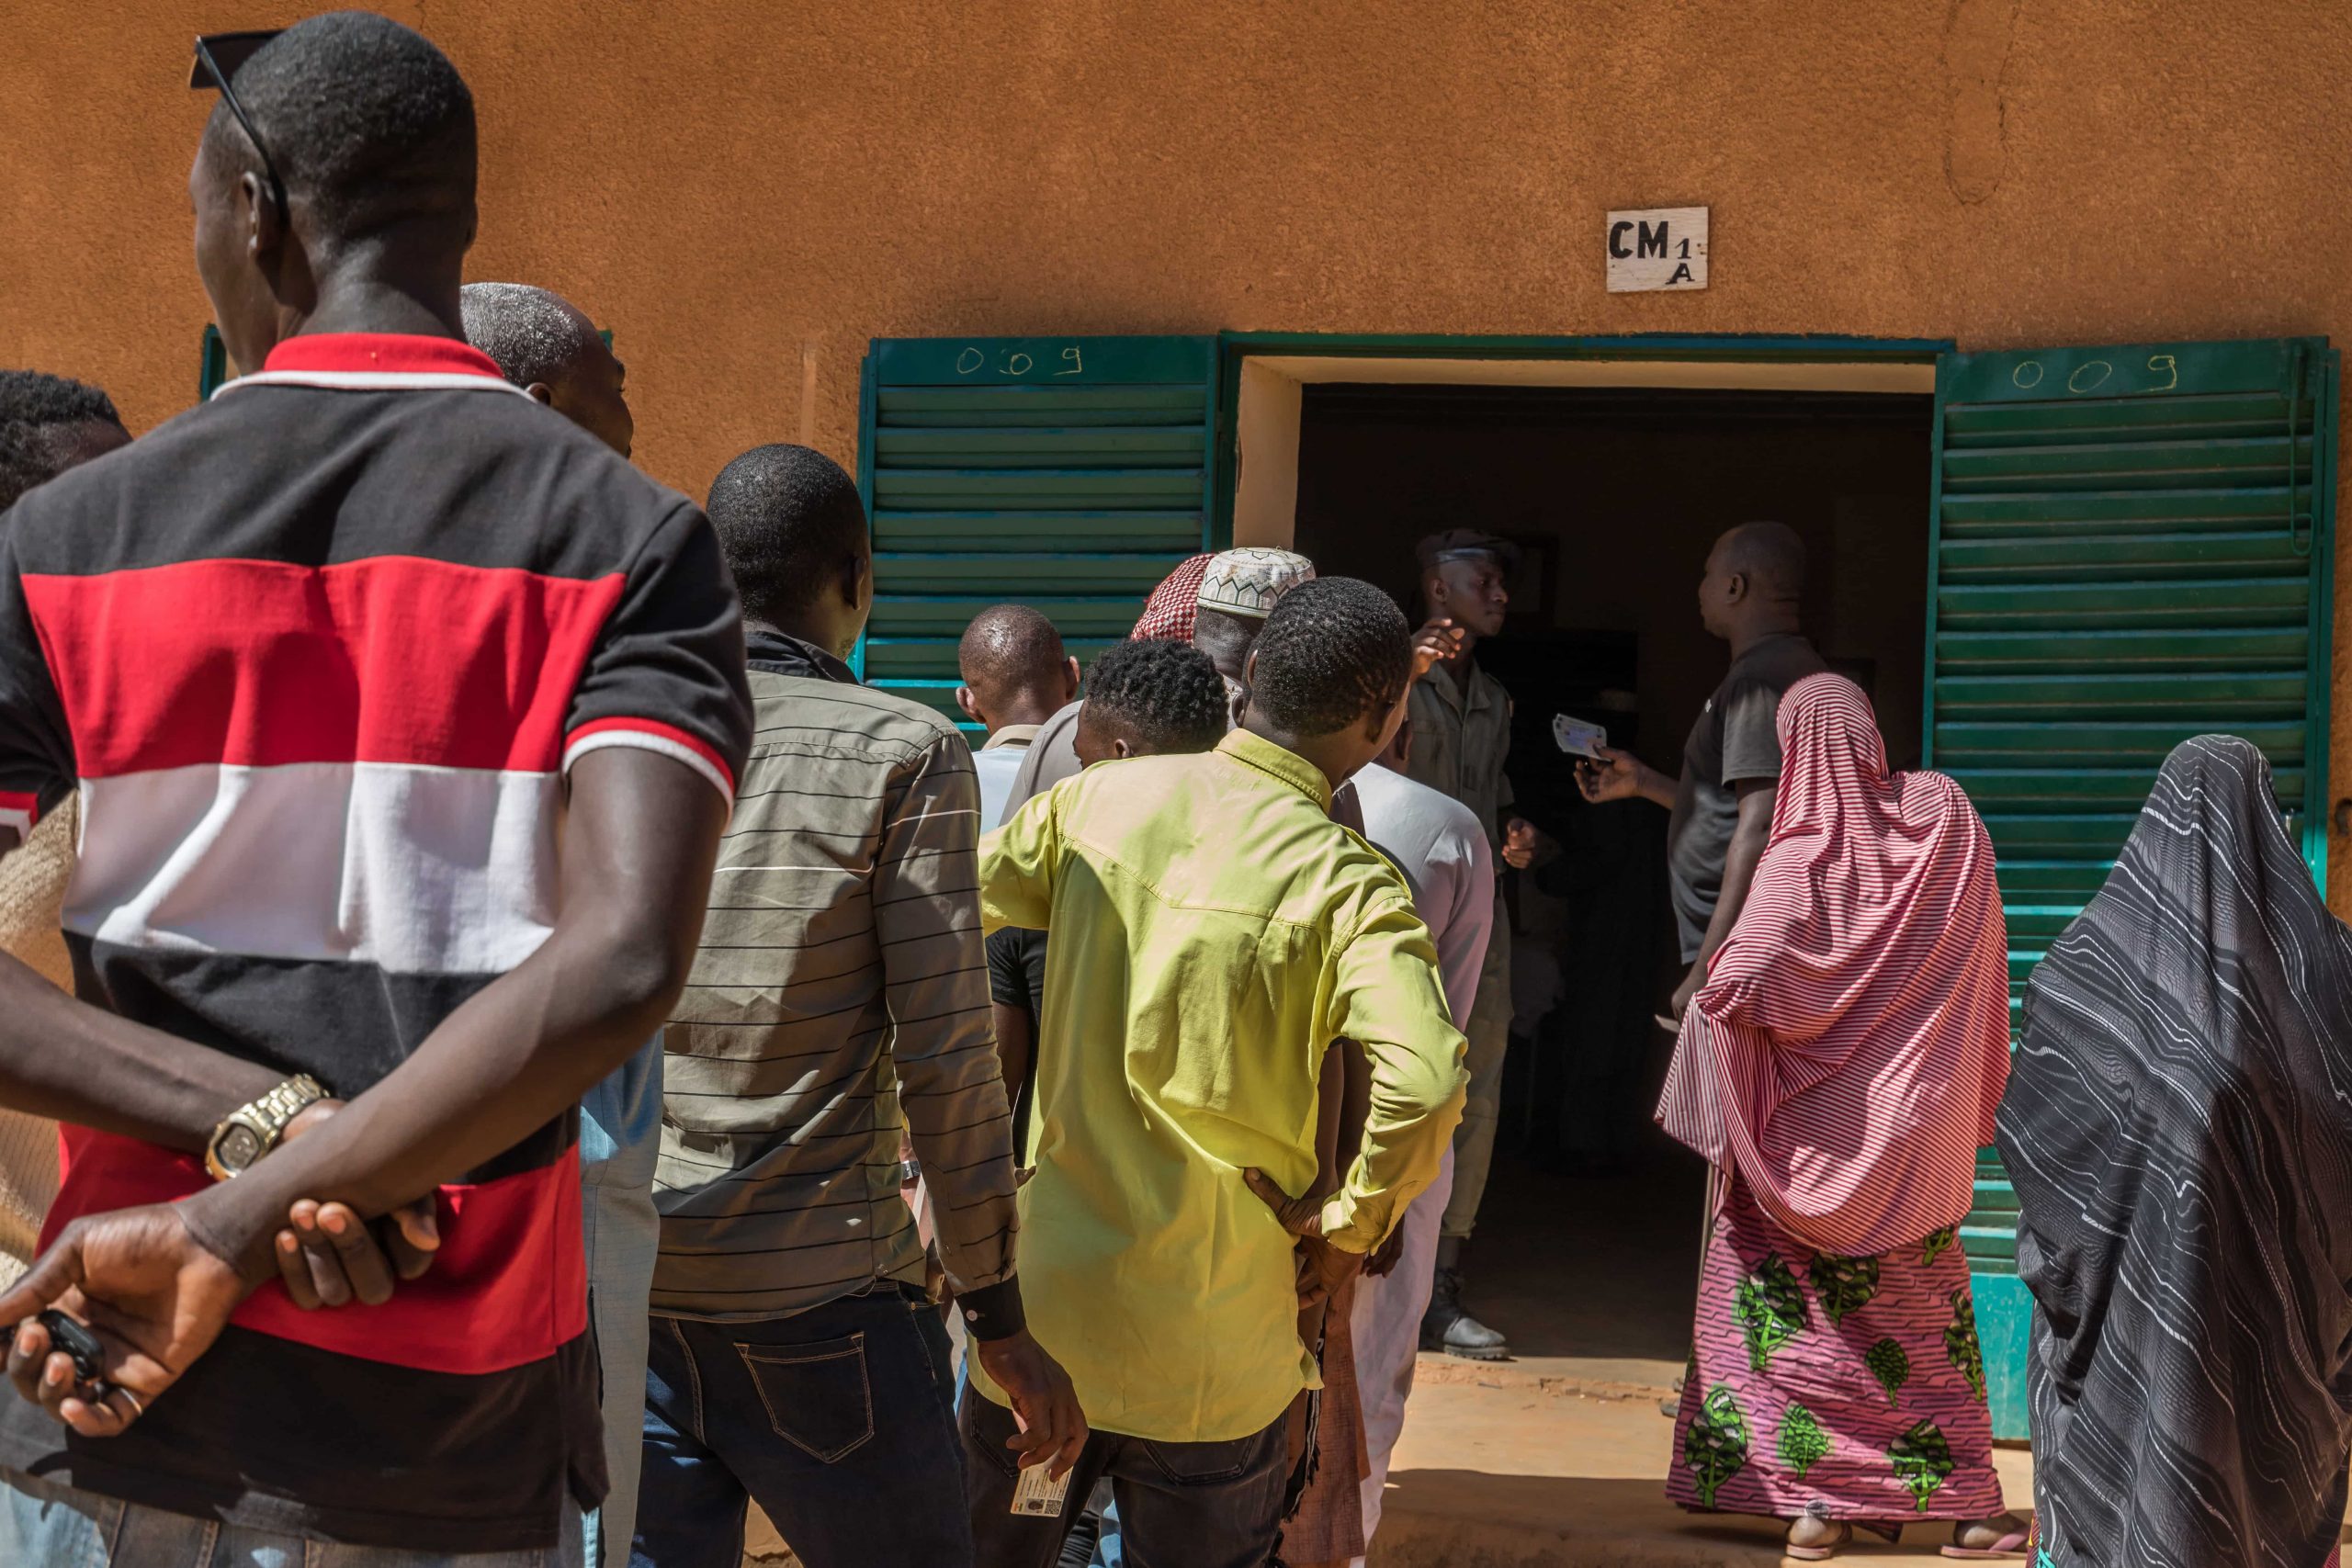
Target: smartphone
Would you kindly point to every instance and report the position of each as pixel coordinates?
(78, 1342)
(1578, 737)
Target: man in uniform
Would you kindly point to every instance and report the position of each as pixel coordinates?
(1461, 735)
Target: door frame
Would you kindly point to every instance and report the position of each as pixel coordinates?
(1731, 349)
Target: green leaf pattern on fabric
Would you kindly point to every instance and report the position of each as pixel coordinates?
(1888, 1363)
(1922, 1460)
(1716, 1444)
(1844, 1284)
(1801, 1440)
(1937, 1243)
(1960, 1346)
(1770, 1309)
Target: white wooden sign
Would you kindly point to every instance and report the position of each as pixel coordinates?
(1657, 247)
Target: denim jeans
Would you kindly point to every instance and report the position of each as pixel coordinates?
(59, 1526)
(1180, 1504)
(620, 1134)
(837, 1420)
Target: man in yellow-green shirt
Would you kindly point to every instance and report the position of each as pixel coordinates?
(1214, 932)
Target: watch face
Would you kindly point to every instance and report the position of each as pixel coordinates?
(239, 1147)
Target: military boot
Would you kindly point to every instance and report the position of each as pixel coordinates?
(1445, 1326)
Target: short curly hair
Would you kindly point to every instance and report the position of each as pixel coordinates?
(37, 408)
(786, 518)
(530, 333)
(1168, 694)
(1335, 652)
(366, 121)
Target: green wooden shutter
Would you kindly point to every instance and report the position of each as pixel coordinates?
(2132, 545)
(212, 363)
(1066, 473)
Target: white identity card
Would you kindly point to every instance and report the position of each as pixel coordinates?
(1037, 1494)
(1578, 738)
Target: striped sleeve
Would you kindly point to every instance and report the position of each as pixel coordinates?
(37, 768)
(927, 920)
(666, 674)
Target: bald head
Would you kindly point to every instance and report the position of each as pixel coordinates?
(546, 345)
(1014, 667)
(1754, 581)
(1772, 554)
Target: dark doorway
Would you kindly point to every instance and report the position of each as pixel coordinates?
(1615, 496)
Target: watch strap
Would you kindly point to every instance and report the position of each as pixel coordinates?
(265, 1119)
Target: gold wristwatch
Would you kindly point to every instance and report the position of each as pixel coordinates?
(252, 1131)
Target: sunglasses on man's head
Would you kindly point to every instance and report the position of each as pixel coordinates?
(219, 57)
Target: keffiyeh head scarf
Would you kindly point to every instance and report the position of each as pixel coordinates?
(2179, 1133)
(1175, 603)
(1847, 1050)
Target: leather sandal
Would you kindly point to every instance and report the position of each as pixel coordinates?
(2011, 1544)
(1842, 1540)
(1824, 1552)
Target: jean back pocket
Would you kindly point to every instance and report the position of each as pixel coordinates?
(817, 1395)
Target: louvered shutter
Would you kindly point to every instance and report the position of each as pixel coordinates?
(212, 363)
(2132, 545)
(1066, 473)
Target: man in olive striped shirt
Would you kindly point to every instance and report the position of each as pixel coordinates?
(840, 999)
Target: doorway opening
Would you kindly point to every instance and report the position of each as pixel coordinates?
(1586, 1245)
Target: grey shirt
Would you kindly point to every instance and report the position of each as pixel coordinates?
(1051, 758)
(1736, 737)
(1461, 737)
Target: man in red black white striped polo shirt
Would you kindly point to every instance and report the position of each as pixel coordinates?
(404, 719)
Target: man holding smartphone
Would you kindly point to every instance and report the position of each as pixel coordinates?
(349, 642)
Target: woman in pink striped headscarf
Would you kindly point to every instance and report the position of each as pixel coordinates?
(1840, 1068)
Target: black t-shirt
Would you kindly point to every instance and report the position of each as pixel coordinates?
(1017, 979)
(317, 657)
(1736, 737)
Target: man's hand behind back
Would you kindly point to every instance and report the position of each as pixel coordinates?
(1322, 1267)
(329, 1256)
(1053, 1428)
(155, 1296)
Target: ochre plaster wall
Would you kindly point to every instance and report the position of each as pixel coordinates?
(727, 183)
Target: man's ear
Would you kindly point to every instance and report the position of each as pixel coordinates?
(1735, 587)
(541, 393)
(1119, 747)
(857, 579)
(1069, 677)
(971, 708)
(265, 224)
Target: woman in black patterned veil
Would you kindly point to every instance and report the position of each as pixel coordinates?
(2178, 1124)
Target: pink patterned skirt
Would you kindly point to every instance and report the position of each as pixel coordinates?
(1847, 1387)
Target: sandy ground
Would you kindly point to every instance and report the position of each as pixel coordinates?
(1509, 1465)
(1559, 1456)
